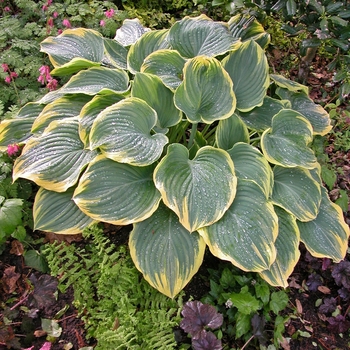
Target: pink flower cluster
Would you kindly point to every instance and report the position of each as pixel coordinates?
(109, 14)
(11, 75)
(46, 78)
(12, 150)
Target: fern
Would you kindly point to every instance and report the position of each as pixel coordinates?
(119, 308)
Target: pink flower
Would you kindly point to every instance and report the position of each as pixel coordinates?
(7, 9)
(49, 2)
(13, 75)
(50, 22)
(66, 23)
(60, 31)
(102, 23)
(5, 67)
(8, 79)
(12, 150)
(109, 13)
(55, 14)
(52, 84)
(44, 70)
(44, 8)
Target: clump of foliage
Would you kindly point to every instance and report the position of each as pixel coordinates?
(16, 217)
(251, 309)
(197, 318)
(24, 24)
(119, 308)
(323, 26)
(183, 133)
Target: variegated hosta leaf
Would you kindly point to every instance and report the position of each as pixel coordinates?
(56, 212)
(91, 82)
(285, 143)
(195, 36)
(297, 192)
(260, 118)
(91, 110)
(115, 54)
(56, 158)
(206, 93)
(245, 235)
(287, 246)
(200, 190)
(65, 107)
(75, 65)
(130, 32)
(18, 130)
(148, 43)
(314, 113)
(247, 27)
(81, 43)
(117, 193)
(165, 252)
(230, 131)
(123, 133)
(167, 65)
(288, 84)
(327, 235)
(249, 70)
(250, 164)
(150, 88)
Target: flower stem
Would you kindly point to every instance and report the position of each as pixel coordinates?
(192, 135)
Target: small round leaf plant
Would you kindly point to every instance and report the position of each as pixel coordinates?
(185, 134)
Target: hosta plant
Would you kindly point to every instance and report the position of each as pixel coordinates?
(183, 133)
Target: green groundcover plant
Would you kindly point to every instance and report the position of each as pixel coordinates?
(183, 133)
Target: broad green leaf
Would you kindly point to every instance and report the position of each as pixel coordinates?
(296, 192)
(10, 215)
(288, 84)
(123, 133)
(117, 193)
(56, 212)
(150, 88)
(314, 113)
(91, 110)
(165, 252)
(148, 43)
(250, 164)
(75, 65)
(245, 302)
(115, 54)
(245, 27)
(328, 234)
(260, 118)
(249, 70)
(286, 142)
(167, 65)
(206, 93)
(130, 32)
(56, 158)
(200, 190)
(230, 131)
(81, 43)
(279, 301)
(287, 246)
(245, 235)
(196, 36)
(91, 82)
(18, 130)
(64, 107)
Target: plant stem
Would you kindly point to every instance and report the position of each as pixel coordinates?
(192, 135)
(248, 341)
